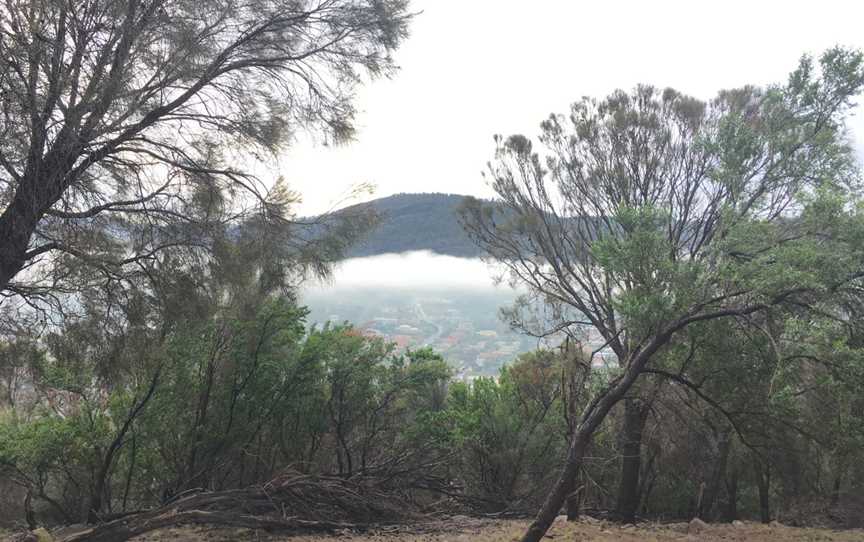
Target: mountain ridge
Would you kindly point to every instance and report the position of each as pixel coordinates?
(415, 221)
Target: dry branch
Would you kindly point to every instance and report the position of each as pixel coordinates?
(293, 502)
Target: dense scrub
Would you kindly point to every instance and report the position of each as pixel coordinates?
(109, 418)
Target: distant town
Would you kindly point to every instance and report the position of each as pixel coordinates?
(461, 326)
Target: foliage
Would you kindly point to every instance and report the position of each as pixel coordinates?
(715, 247)
(508, 430)
(124, 123)
(223, 403)
(648, 212)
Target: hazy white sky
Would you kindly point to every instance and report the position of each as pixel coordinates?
(474, 68)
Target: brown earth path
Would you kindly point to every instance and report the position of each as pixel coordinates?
(462, 529)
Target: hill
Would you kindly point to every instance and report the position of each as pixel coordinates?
(416, 222)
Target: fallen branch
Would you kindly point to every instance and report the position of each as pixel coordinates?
(294, 502)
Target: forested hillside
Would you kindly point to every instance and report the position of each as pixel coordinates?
(416, 222)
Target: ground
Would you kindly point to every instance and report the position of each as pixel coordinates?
(469, 530)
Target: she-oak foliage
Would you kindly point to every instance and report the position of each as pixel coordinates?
(650, 211)
(123, 122)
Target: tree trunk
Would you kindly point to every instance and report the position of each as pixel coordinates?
(29, 515)
(102, 478)
(712, 489)
(839, 474)
(631, 459)
(133, 455)
(574, 498)
(591, 418)
(732, 496)
(764, 480)
(561, 489)
(95, 508)
(17, 224)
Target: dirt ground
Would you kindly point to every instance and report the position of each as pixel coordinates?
(469, 530)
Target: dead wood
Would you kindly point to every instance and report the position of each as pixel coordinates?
(293, 502)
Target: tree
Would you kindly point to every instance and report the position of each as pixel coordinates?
(123, 121)
(651, 211)
(505, 430)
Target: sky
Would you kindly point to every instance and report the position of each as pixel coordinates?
(475, 68)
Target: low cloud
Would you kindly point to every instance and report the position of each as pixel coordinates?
(413, 270)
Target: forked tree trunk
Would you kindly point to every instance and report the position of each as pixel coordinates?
(631, 459)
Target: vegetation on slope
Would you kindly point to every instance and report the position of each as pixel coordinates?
(416, 222)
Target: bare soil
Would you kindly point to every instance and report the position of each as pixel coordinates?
(463, 529)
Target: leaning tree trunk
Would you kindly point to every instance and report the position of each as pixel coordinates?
(103, 476)
(17, 224)
(562, 487)
(631, 459)
(591, 418)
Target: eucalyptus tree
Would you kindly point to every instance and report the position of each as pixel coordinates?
(133, 126)
(650, 211)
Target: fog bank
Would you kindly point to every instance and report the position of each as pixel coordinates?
(411, 270)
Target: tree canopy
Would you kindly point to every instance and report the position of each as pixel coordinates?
(134, 126)
(647, 212)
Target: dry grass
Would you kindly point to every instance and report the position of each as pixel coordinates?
(462, 529)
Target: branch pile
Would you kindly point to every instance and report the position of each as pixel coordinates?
(293, 502)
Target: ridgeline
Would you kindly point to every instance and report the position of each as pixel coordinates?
(416, 222)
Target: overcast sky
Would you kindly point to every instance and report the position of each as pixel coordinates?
(474, 68)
